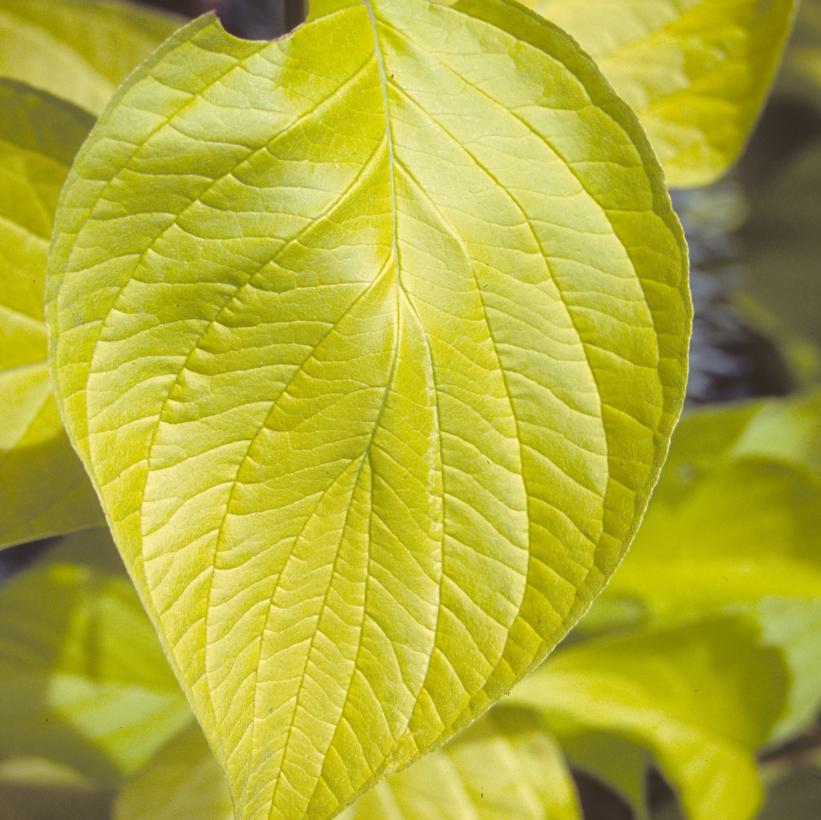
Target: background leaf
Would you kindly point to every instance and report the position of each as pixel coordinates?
(182, 781)
(736, 516)
(696, 72)
(43, 487)
(386, 344)
(684, 692)
(78, 49)
(504, 767)
(83, 681)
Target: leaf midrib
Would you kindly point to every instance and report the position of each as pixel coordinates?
(394, 244)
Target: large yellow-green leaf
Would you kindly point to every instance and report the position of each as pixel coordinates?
(736, 516)
(703, 698)
(504, 767)
(43, 486)
(372, 338)
(695, 71)
(78, 49)
(83, 680)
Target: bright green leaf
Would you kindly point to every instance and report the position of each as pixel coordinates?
(736, 516)
(794, 627)
(82, 678)
(43, 487)
(372, 338)
(696, 72)
(504, 767)
(702, 697)
(78, 49)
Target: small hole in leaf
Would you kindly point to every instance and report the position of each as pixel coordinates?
(261, 19)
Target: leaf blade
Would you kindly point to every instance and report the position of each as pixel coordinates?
(74, 691)
(735, 517)
(667, 688)
(697, 73)
(328, 473)
(505, 766)
(44, 490)
(90, 46)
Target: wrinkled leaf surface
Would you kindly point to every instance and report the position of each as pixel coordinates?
(387, 340)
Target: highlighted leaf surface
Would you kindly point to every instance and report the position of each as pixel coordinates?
(372, 338)
(695, 71)
(78, 49)
(43, 486)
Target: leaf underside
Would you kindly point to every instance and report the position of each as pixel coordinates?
(387, 338)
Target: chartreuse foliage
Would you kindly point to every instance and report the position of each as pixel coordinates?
(371, 339)
(504, 767)
(700, 698)
(736, 483)
(696, 72)
(43, 487)
(80, 51)
(697, 698)
(83, 680)
(77, 49)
